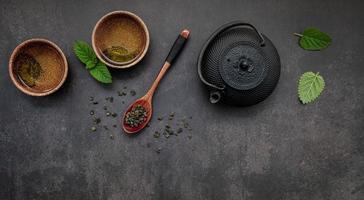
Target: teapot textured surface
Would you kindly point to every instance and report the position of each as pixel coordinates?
(239, 65)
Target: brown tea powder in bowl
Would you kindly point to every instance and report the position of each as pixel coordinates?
(120, 39)
(49, 64)
(38, 67)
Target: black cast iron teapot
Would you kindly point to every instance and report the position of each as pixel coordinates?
(239, 65)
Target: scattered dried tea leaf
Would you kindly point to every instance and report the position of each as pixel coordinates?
(97, 120)
(110, 99)
(121, 93)
(156, 134)
(185, 124)
(179, 130)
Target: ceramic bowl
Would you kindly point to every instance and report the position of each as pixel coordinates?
(124, 29)
(51, 74)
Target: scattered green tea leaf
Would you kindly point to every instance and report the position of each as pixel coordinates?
(156, 134)
(313, 39)
(310, 87)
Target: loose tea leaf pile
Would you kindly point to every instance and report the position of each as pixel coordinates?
(119, 54)
(28, 69)
(136, 116)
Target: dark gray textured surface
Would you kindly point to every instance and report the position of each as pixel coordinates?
(276, 150)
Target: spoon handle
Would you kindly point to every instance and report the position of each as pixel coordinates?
(173, 53)
(177, 46)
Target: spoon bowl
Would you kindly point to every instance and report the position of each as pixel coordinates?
(147, 104)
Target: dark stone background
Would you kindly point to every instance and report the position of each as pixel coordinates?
(276, 150)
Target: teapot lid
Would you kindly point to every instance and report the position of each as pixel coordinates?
(243, 65)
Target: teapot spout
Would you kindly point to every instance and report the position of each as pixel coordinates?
(215, 96)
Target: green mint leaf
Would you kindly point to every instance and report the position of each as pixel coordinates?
(90, 64)
(313, 39)
(101, 73)
(85, 54)
(310, 87)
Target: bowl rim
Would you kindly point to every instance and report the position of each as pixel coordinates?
(140, 22)
(16, 52)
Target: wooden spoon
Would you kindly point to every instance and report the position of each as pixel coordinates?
(146, 100)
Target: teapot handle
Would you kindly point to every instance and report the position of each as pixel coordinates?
(240, 23)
